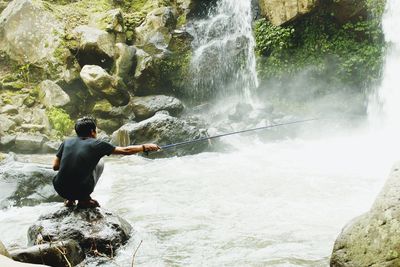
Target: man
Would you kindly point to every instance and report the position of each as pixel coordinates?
(80, 166)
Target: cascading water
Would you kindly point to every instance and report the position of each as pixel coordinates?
(223, 61)
(384, 107)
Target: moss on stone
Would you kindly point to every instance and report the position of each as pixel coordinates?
(60, 121)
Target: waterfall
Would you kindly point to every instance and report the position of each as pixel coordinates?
(223, 62)
(384, 104)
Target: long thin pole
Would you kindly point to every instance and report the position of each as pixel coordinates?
(232, 133)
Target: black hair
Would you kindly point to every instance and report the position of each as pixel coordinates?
(84, 126)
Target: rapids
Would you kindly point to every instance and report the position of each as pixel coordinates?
(278, 203)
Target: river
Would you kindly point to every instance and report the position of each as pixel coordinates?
(279, 203)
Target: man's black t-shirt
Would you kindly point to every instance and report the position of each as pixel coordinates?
(79, 157)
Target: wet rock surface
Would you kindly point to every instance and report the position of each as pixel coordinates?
(162, 129)
(373, 239)
(25, 184)
(96, 230)
(145, 107)
(63, 253)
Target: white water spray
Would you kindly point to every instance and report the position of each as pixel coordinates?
(224, 62)
(384, 107)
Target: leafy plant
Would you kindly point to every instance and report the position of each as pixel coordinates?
(60, 121)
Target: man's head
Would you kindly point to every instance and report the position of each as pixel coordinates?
(86, 127)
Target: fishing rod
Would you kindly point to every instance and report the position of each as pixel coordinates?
(165, 147)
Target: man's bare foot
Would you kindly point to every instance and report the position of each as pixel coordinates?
(87, 204)
(69, 203)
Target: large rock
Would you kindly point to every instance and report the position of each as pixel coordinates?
(124, 61)
(6, 124)
(96, 47)
(373, 239)
(29, 143)
(282, 11)
(157, 27)
(93, 229)
(25, 184)
(53, 95)
(3, 250)
(162, 129)
(62, 253)
(104, 85)
(93, 40)
(145, 107)
(7, 262)
(29, 33)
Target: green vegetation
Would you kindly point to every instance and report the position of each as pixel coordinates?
(60, 121)
(349, 54)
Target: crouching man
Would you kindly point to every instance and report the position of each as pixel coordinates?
(80, 165)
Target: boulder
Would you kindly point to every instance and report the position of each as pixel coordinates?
(62, 253)
(96, 230)
(3, 250)
(162, 129)
(146, 106)
(29, 33)
(373, 239)
(110, 21)
(7, 141)
(281, 11)
(26, 184)
(148, 75)
(29, 143)
(6, 124)
(52, 95)
(9, 109)
(7, 262)
(96, 47)
(124, 61)
(157, 27)
(104, 85)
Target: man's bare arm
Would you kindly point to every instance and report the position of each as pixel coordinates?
(129, 150)
(56, 163)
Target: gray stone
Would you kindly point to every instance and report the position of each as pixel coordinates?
(28, 143)
(28, 33)
(60, 253)
(93, 40)
(157, 27)
(145, 107)
(9, 110)
(110, 21)
(373, 239)
(281, 11)
(26, 127)
(52, 95)
(7, 141)
(91, 228)
(148, 76)
(26, 184)
(124, 61)
(163, 129)
(103, 84)
(3, 250)
(6, 124)
(7, 262)
(51, 146)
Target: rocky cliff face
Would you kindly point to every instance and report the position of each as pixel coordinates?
(63, 59)
(282, 11)
(373, 239)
